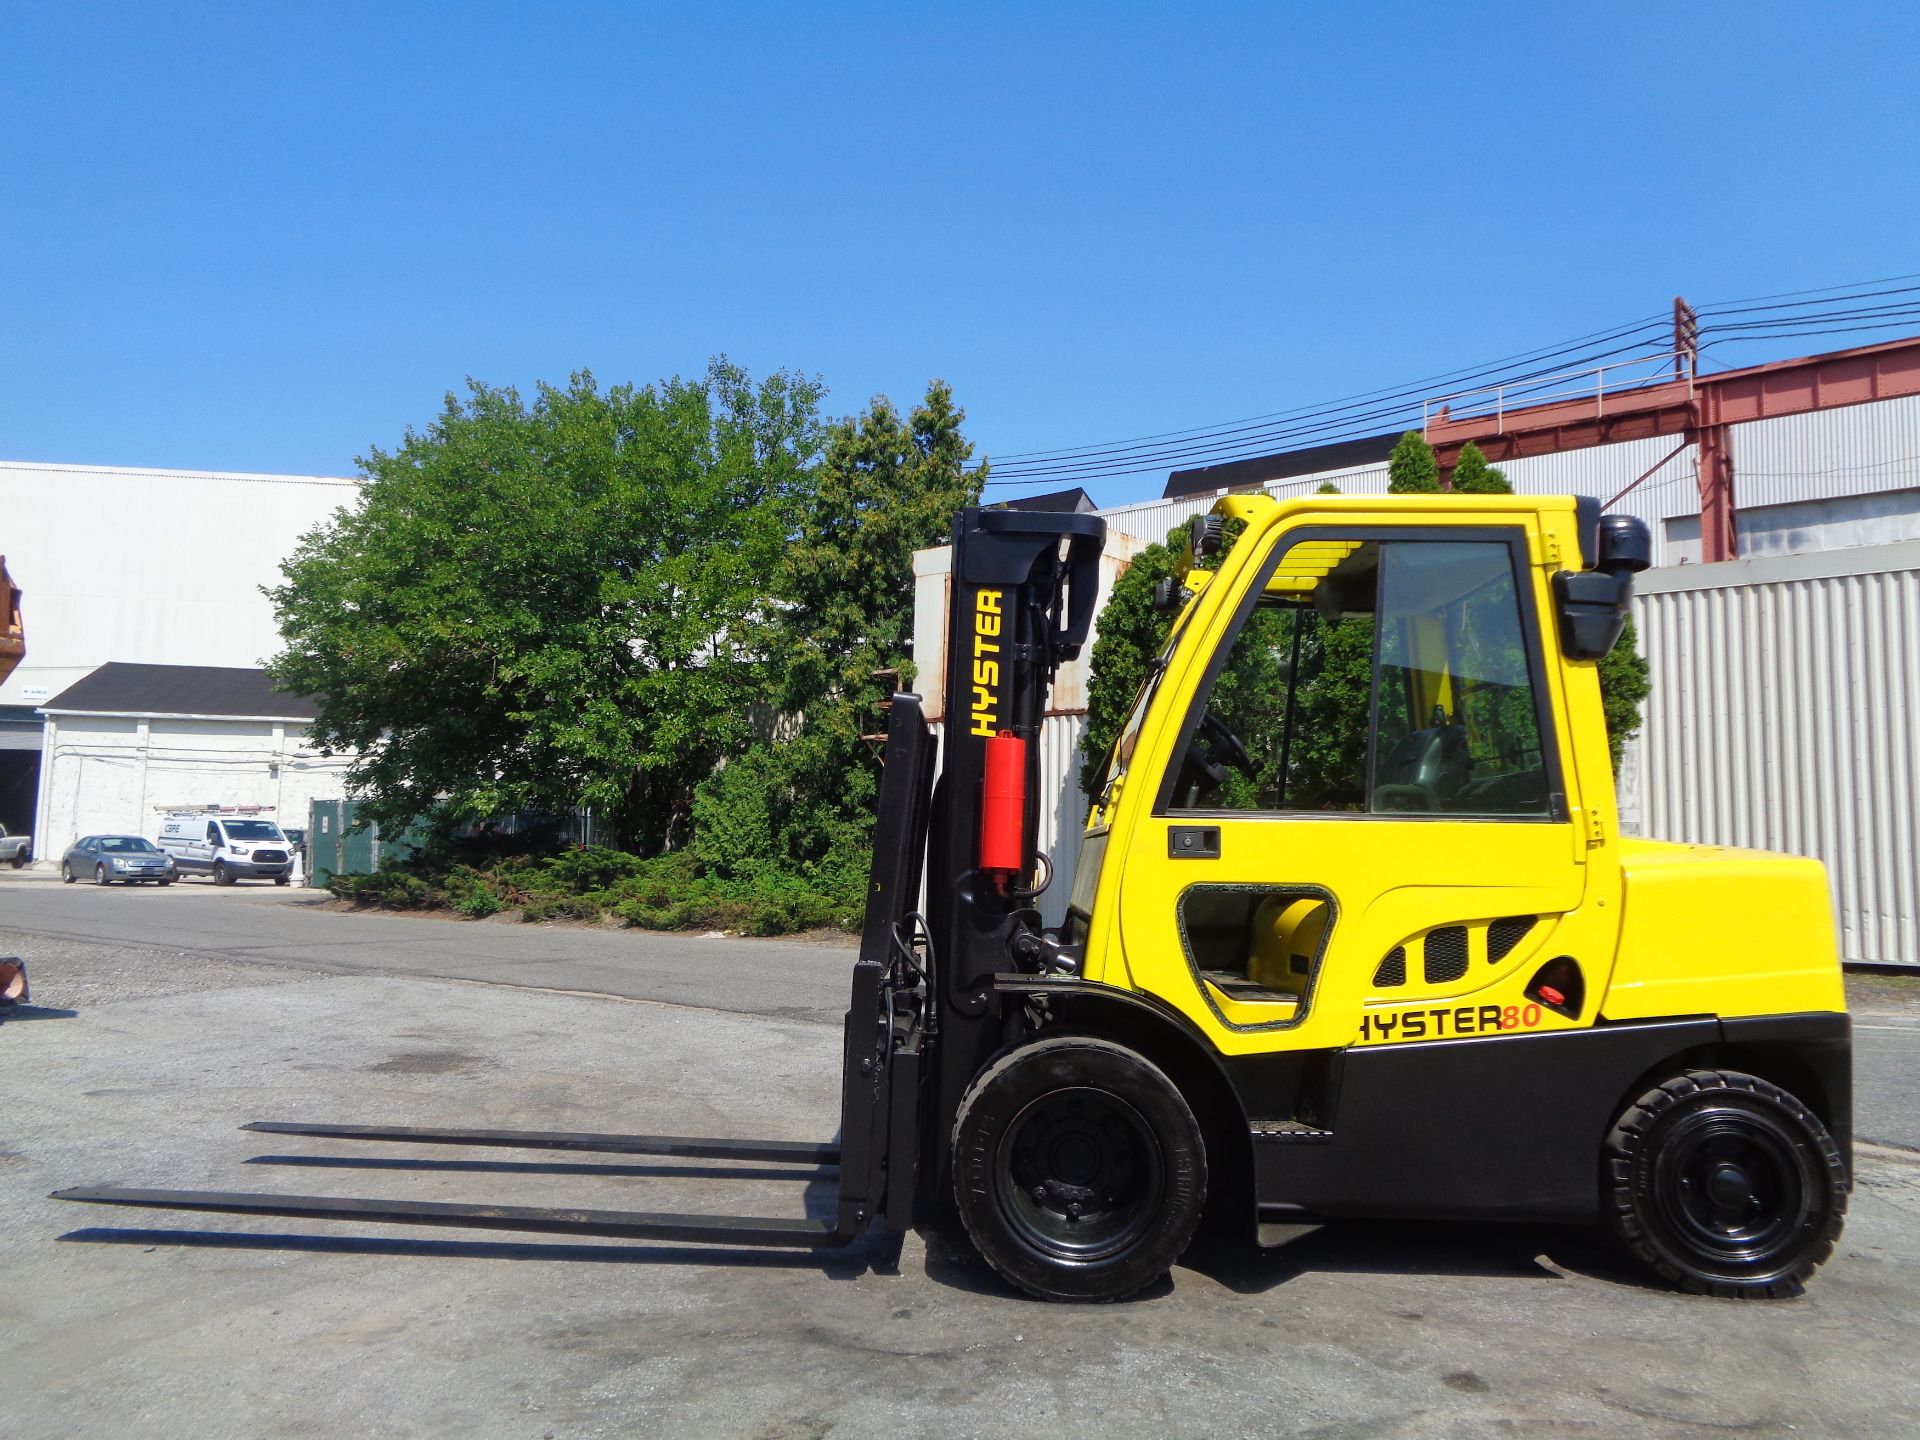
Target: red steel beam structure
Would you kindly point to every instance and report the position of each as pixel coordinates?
(1700, 408)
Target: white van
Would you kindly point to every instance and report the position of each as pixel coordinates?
(227, 847)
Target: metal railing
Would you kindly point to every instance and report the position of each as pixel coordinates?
(1494, 401)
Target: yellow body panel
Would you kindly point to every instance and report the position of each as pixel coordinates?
(1715, 931)
(1721, 934)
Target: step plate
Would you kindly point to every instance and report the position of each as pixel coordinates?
(1288, 1132)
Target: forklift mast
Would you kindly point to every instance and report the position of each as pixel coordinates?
(1022, 602)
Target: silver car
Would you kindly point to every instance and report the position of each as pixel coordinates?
(128, 859)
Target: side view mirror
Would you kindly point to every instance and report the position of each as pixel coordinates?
(1592, 604)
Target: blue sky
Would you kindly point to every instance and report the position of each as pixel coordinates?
(265, 237)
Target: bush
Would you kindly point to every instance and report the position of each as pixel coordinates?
(593, 868)
(472, 893)
(479, 905)
(663, 892)
(561, 907)
(389, 889)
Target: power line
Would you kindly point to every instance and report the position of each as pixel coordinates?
(1448, 377)
(1821, 290)
(1366, 413)
(1342, 420)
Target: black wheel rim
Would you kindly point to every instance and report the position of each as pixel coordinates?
(1734, 1190)
(1081, 1174)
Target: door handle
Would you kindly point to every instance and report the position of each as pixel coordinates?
(1193, 842)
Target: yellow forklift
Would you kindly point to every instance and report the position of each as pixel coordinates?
(1353, 932)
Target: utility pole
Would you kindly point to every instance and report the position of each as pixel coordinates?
(1718, 537)
(1686, 340)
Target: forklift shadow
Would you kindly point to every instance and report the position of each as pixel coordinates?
(1379, 1247)
(11, 1013)
(1518, 1252)
(849, 1263)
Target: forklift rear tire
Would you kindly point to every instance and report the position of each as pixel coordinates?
(1725, 1184)
(1079, 1169)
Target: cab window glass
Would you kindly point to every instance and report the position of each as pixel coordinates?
(1406, 656)
(1285, 723)
(1457, 725)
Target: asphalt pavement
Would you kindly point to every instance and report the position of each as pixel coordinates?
(165, 1019)
(268, 924)
(781, 979)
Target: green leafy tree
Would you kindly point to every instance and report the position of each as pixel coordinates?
(1625, 684)
(803, 800)
(1128, 634)
(554, 604)
(1412, 469)
(1472, 475)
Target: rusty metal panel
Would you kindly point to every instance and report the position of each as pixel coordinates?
(1784, 709)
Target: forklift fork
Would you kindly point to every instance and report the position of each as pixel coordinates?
(891, 1019)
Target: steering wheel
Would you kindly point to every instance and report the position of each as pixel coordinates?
(1213, 748)
(1223, 746)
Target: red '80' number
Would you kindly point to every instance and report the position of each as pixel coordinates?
(1513, 1017)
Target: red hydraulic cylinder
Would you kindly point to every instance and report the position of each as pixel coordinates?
(1003, 805)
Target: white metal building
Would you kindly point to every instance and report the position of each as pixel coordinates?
(148, 567)
(129, 743)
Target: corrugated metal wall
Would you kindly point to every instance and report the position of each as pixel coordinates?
(1786, 716)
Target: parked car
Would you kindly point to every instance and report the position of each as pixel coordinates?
(227, 847)
(127, 859)
(14, 848)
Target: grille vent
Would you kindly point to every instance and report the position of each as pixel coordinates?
(1446, 955)
(1393, 969)
(1503, 935)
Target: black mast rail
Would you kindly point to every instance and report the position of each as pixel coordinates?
(686, 1147)
(611, 1224)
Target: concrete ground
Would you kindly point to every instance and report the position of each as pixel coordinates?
(164, 1019)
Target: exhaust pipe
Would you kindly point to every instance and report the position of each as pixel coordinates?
(13, 980)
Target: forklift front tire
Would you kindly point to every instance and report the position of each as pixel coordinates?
(1079, 1169)
(1724, 1184)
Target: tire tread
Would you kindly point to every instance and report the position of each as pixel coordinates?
(1623, 1144)
(1025, 1053)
